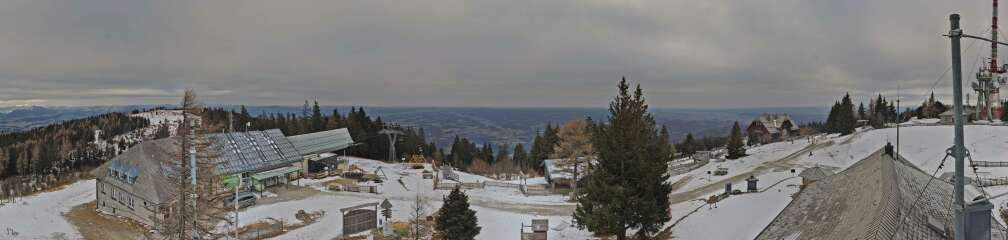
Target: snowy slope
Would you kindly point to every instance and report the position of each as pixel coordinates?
(922, 145)
(739, 216)
(41, 216)
(757, 156)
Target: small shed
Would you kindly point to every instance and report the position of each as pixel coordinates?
(948, 117)
(539, 227)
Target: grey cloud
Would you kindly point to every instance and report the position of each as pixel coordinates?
(483, 53)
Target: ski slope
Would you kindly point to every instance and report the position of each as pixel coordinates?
(41, 216)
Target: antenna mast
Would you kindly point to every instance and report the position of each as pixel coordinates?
(989, 79)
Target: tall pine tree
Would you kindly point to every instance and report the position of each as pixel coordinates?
(689, 145)
(455, 221)
(627, 189)
(736, 148)
(520, 157)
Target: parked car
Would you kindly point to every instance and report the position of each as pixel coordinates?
(721, 171)
(245, 199)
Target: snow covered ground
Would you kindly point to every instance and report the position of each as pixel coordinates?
(922, 145)
(500, 210)
(739, 216)
(156, 118)
(496, 224)
(757, 156)
(41, 216)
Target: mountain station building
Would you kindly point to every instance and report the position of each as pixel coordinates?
(136, 184)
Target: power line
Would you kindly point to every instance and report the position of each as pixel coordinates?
(947, 69)
(948, 152)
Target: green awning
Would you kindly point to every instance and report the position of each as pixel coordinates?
(230, 181)
(275, 173)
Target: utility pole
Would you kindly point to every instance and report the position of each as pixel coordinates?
(236, 207)
(955, 34)
(192, 171)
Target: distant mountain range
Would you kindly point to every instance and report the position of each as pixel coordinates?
(442, 124)
(24, 118)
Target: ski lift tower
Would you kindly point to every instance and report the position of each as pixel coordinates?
(393, 136)
(989, 79)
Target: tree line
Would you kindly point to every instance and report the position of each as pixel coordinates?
(843, 118)
(362, 127)
(65, 147)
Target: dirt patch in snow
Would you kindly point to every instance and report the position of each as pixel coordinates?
(93, 225)
(682, 182)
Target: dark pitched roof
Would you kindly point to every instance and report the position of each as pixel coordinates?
(773, 122)
(151, 182)
(870, 200)
(253, 151)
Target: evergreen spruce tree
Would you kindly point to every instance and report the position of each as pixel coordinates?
(736, 148)
(244, 111)
(455, 221)
(10, 168)
(627, 188)
(831, 120)
(536, 154)
(663, 134)
(689, 145)
(519, 156)
(1004, 113)
(861, 111)
(316, 119)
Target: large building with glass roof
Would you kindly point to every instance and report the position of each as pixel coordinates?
(135, 184)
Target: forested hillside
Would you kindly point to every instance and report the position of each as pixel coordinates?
(48, 154)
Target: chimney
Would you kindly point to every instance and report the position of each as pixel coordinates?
(978, 216)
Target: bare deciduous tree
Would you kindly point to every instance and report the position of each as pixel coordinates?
(574, 147)
(420, 226)
(195, 209)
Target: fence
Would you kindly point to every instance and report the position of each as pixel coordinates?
(448, 174)
(684, 168)
(524, 189)
(452, 185)
(989, 164)
(502, 184)
(986, 182)
(535, 190)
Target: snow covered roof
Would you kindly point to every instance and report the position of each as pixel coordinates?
(815, 173)
(322, 142)
(872, 199)
(555, 172)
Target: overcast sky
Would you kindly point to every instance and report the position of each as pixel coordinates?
(685, 53)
